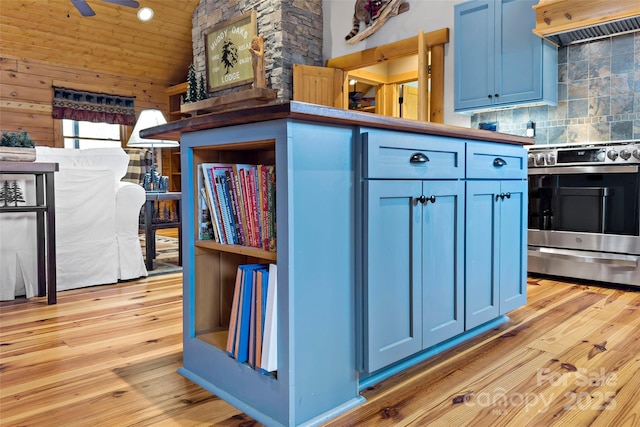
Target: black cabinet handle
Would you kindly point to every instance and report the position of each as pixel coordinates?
(499, 162)
(418, 158)
(497, 95)
(498, 196)
(424, 199)
(507, 195)
(489, 96)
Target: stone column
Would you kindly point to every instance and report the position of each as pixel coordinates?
(292, 31)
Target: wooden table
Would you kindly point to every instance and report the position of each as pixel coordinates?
(150, 226)
(45, 220)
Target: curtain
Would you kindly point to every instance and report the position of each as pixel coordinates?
(93, 107)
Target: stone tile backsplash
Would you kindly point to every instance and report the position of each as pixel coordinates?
(598, 96)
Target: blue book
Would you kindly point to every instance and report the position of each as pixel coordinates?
(244, 315)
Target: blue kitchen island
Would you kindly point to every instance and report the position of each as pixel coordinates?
(396, 239)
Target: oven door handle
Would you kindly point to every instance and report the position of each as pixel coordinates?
(564, 170)
(615, 260)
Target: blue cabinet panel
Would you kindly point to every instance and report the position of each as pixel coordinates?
(495, 268)
(442, 262)
(482, 218)
(393, 294)
(474, 54)
(519, 69)
(513, 257)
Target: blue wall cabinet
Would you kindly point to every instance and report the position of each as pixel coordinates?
(498, 61)
(413, 245)
(495, 260)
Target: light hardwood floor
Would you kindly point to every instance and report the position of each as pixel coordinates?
(108, 355)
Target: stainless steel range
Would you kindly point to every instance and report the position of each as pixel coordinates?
(584, 211)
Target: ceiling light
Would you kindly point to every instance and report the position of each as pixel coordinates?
(145, 14)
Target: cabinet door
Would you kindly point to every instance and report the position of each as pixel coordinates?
(442, 261)
(513, 260)
(474, 54)
(392, 251)
(518, 70)
(482, 219)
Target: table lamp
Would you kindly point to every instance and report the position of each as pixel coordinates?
(152, 181)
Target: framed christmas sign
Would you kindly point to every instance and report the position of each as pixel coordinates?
(227, 52)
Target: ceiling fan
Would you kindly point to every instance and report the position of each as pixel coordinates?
(85, 10)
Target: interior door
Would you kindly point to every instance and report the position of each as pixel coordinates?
(318, 85)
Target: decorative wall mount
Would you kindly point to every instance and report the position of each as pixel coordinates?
(381, 15)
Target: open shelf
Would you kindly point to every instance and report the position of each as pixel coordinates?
(217, 339)
(238, 249)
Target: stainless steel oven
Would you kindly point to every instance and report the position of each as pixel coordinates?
(584, 211)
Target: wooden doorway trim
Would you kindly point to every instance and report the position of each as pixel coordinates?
(430, 104)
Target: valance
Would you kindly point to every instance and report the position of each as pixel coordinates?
(93, 107)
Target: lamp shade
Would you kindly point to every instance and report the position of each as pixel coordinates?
(148, 119)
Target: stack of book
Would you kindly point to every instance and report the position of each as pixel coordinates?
(241, 202)
(253, 331)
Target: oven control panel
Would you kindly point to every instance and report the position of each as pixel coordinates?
(619, 152)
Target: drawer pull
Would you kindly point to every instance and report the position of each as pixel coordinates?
(418, 158)
(498, 162)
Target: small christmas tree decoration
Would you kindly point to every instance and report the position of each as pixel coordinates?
(192, 81)
(202, 89)
(17, 147)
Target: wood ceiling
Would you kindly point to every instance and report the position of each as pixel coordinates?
(113, 41)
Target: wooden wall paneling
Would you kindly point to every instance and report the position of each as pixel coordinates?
(113, 41)
(26, 95)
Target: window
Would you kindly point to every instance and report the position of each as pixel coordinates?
(77, 134)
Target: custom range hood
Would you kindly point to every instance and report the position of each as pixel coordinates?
(564, 22)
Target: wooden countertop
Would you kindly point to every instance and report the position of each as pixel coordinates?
(319, 113)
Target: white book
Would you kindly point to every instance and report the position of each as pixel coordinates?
(269, 360)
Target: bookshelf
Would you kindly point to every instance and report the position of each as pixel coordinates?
(314, 189)
(171, 156)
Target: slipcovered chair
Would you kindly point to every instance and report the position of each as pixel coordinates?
(96, 215)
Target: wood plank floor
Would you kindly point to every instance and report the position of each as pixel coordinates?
(108, 355)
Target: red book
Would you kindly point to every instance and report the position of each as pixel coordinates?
(244, 182)
(264, 206)
(254, 206)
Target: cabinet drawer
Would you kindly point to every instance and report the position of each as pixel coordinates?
(400, 155)
(496, 161)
